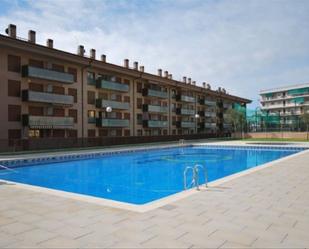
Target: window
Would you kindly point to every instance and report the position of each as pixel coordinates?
(126, 99)
(58, 112)
(91, 98)
(14, 63)
(36, 111)
(139, 132)
(14, 134)
(139, 119)
(127, 133)
(73, 114)
(91, 78)
(91, 133)
(36, 63)
(13, 88)
(33, 133)
(59, 133)
(58, 68)
(58, 89)
(71, 133)
(103, 132)
(73, 92)
(139, 103)
(127, 116)
(36, 87)
(73, 71)
(139, 87)
(14, 112)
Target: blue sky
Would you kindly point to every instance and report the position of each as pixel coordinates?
(241, 45)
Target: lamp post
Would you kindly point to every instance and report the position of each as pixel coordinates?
(196, 116)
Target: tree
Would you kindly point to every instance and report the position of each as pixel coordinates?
(236, 118)
(305, 120)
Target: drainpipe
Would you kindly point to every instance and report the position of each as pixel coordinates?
(134, 101)
(82, 74)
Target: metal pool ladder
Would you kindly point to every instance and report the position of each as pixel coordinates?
(195, 178)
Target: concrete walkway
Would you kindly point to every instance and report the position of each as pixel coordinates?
(266, 209)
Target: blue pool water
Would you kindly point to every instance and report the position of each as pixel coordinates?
(141, 177)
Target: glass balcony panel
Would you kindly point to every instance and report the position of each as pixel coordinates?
(210, 103)
(157, 123)
(50, 122)
(210, 114)
(104, 84)
(155, 93)
(187, 111)
(187, 98)
(42, 73)
(155, 108)
(210, 125)
(50, 98)
(114, 104)
(114, 122)
(187, 124)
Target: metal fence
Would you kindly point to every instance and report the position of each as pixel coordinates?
(38, 144)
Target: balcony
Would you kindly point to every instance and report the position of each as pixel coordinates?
(155, 93)
(210, 102)
(210, 114)
(227, 126)
(47, 74)
(227, 105)
(183, 111)
(210, 125)
(155, 124)
(102, 103)
(110, 85)
(185, 98)
(44, 97)
(105, 122)
(185, 124)
(155, 108)
(48, 122)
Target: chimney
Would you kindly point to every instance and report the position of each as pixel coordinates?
(160, 72)
(166, 74)
(170, 76)
(11, 30)
(31, 36)
(135, 65)
(92, 53)
(50, 43)
(126, 63)
(204, 84)
(141, 68)
(189, 81)
(193, 83)
(103, 58)
(81, 50)
(184, 79)
(208, 86)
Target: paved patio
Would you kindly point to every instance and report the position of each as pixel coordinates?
(266, 209)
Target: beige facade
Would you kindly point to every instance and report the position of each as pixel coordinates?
(45, 92)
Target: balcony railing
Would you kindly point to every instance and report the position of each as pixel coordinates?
(104, 122)
(44, 97)
(155, 124)
(155, 108)
(210, 102)
(210, 114)
(110, 85)
(47, 74)
(48, 122)
(186, 124)
(154, 93)
(185, 98)
(183, 111)
(211, 125)
(102, 103)
(91, 120)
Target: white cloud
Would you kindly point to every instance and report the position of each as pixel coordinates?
(241, 45)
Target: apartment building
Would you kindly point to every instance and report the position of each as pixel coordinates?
(46, 92)
(286, 103)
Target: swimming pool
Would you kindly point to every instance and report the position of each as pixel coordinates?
(140, 177)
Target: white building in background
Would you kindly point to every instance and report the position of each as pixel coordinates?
(287, 102)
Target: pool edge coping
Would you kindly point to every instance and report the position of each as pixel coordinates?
(153, 204)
